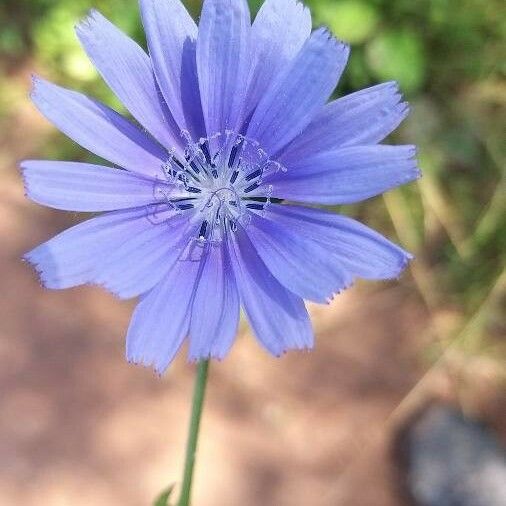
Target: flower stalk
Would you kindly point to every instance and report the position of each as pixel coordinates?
(191, 446)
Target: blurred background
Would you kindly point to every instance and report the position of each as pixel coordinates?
(79, 426)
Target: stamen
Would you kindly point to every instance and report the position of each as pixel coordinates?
(184, 207)
(253, 175)
(178, 163)
(234, 176)
(215, 179)
(232, 156)
(240, 143)
(205, 151)
(251, 187)
(193, 165)
(203, 229)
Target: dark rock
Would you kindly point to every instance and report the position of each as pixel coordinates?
(453, 461)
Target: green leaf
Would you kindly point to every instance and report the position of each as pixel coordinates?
(163, 498)
(351, 20)
(399, 55)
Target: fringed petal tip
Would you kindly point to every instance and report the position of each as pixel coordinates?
(86, 27)
(157, 364)
(46, 282)
(303, 7)
(397, 103)
(343, 49)
(402, 107)
(413, 156)
(298, 347)
(147, 364)
(160, 368)
(26, 185)
(35, 81)
(393, 86)
(31, 259)
(341, 45)
(38, 82)
(196, 358)
(405, 258)
(28, 259)
(293, 343)
(24, 167)
(214, 354)
(409, 155)
(86, 22)
(333, 295)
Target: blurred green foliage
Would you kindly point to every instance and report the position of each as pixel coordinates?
(449, 58)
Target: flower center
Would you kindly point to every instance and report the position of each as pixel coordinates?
(219, 180)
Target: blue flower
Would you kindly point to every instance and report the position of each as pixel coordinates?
(199, 214)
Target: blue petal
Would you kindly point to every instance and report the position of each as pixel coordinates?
(223, 63)
(302, 265)
(74, 186)
(278, 317)
(346, 175)
(298, 92)
(171, 34)
(279, 31)
(161, 320)
(215, 310)
(99, 129)
(356, 248)
(139, 263)
(123, 251)
(362, 118)
(127, 69)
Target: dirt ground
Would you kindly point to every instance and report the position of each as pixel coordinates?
(79, 426)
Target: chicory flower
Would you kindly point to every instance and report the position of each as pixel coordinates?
(206, 205)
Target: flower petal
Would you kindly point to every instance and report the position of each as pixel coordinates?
(302, 265)
(123, 251)
(277, 316)
(127, 69)
(74, 186)
(215, 310)
(161, 320)
(223, 62)
(171, 34)
(278, 33)
(362, 118)
(346, 175)
(360, 250)
(298, 92)
(99, 129)
(141, 261)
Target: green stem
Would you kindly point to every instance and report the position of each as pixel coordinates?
(191, 447)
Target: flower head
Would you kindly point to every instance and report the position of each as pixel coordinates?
(233, 125)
